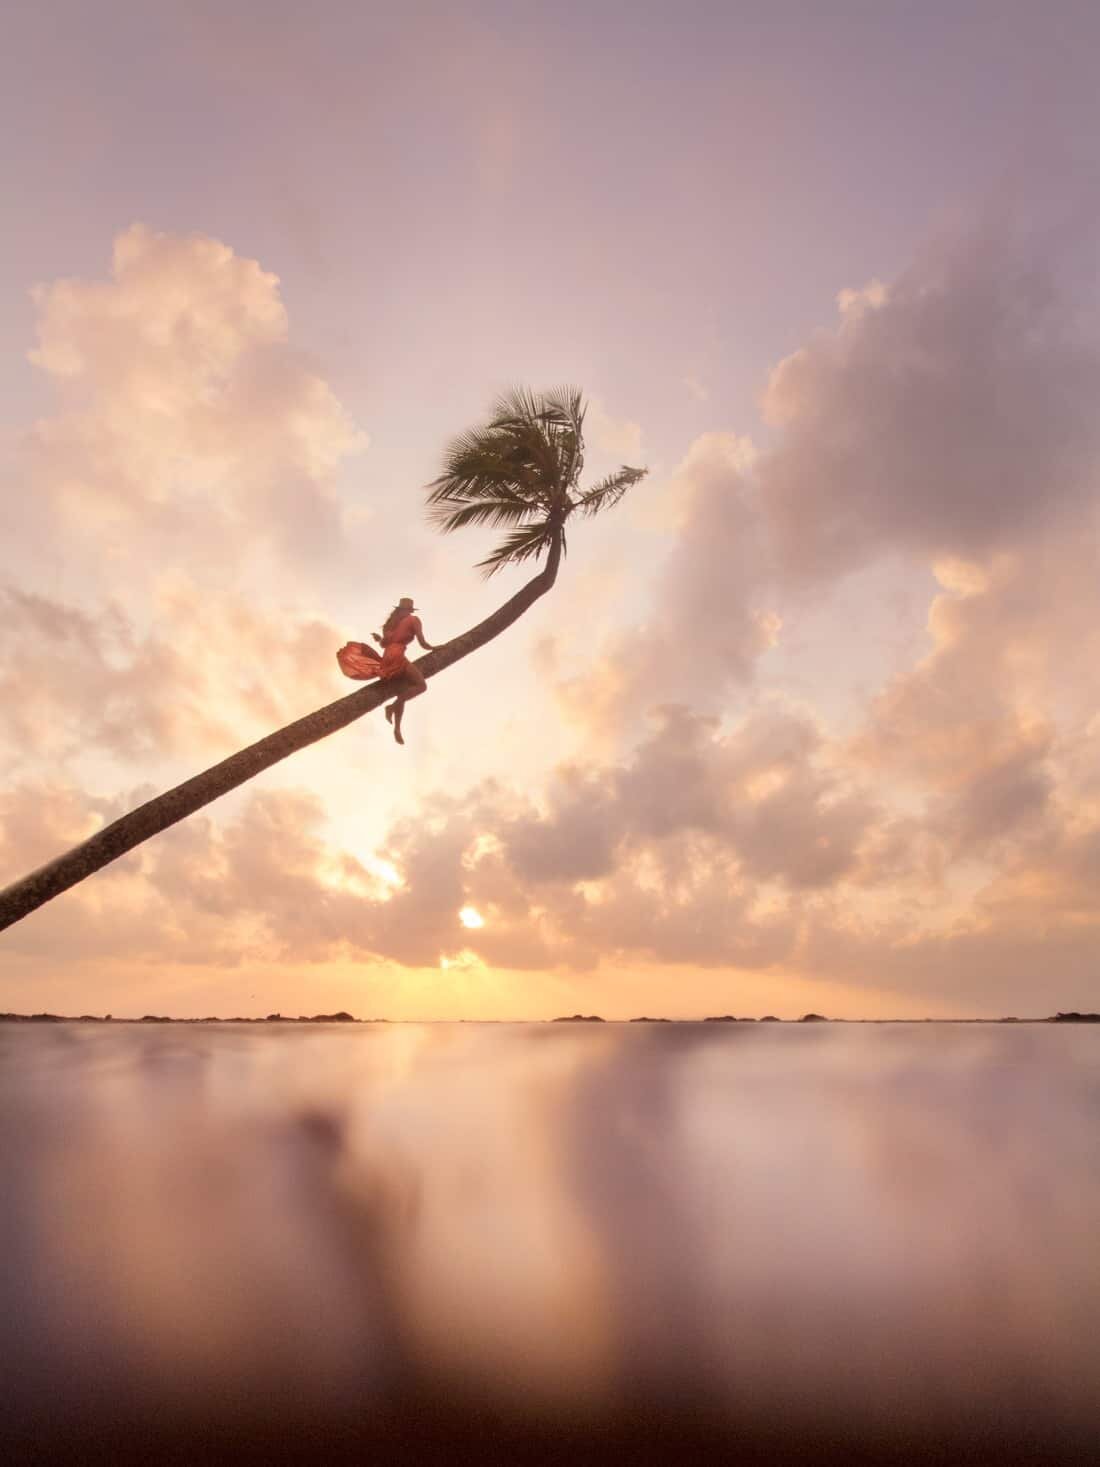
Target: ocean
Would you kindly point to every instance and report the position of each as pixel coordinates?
(287, 1242)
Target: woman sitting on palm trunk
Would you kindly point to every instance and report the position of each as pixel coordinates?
(357, 660)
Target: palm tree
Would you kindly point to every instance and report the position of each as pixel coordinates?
(521, 470)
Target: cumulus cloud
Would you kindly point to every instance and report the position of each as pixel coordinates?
(945, 841)
(160, 556)
(950, 412)
(947, 418)
(263, 885)
(698, 849)
(170, 521)
(946, 422)
(41, 818)
(746, 851)
(1000, 713)
(762, 847)
(663, 857)
(712, 616)
(211, 671)
(188, 433)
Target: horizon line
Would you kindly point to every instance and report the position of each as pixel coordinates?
(343, 1017)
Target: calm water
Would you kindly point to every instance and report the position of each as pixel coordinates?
(879, 1233)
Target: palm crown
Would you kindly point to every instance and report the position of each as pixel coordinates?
(522, 469)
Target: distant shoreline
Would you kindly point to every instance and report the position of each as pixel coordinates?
(1071, 1017)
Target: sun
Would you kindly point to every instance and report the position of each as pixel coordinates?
(471, 917)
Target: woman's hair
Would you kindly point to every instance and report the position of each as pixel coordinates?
(397, 614)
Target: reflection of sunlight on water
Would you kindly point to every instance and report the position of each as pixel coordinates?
(883, 1222)
(498, 1270)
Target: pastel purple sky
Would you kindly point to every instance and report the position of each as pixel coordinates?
(809, 722)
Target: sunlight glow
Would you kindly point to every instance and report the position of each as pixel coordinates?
(370, 877)
(463, 961)
(471, 917)
(483, 845)
(768, 782)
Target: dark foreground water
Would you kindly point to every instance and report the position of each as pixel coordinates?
(508, 1243)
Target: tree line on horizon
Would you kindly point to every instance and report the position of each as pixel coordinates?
(342, 1017)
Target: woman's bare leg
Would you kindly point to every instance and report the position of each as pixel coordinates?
(395, 711)
(398, 715)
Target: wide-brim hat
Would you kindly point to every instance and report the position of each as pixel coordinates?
(406, 604)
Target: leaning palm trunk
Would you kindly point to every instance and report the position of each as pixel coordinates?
(122, 835)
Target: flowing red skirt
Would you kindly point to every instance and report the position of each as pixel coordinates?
(359, 661)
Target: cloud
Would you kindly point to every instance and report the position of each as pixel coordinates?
(40, 819)
(666, 857)
(170, 524)
(711, 619)
(949, 413)
(748, 850)
(178, 311)
(263, 885)
(937, 837)
(661, 857)
(1000, 712)
(947, 417)
(212, 671)
(618, 438)
(189, 433)
(947, 423)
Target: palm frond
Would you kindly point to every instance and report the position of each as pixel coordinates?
(521, 469)
(557, 417)
(571, 402)
(465, 488)
(475, 463)
(608, 491)
(519, 546)
(510, 459)
(446, 517)
(565, 408)
(517, 405)
(469, 490)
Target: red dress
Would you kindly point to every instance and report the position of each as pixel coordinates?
(359, 661)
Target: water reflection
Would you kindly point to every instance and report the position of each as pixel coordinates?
(878, 1234)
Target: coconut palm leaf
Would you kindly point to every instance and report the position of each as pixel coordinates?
(521, 545)
(481, 512)
(524, 464)
(494, 463)
(608, 491)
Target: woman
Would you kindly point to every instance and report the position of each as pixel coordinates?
(357, 660)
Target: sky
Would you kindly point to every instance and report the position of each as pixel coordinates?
(811, 721)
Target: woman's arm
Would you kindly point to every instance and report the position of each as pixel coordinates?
(419, 630)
